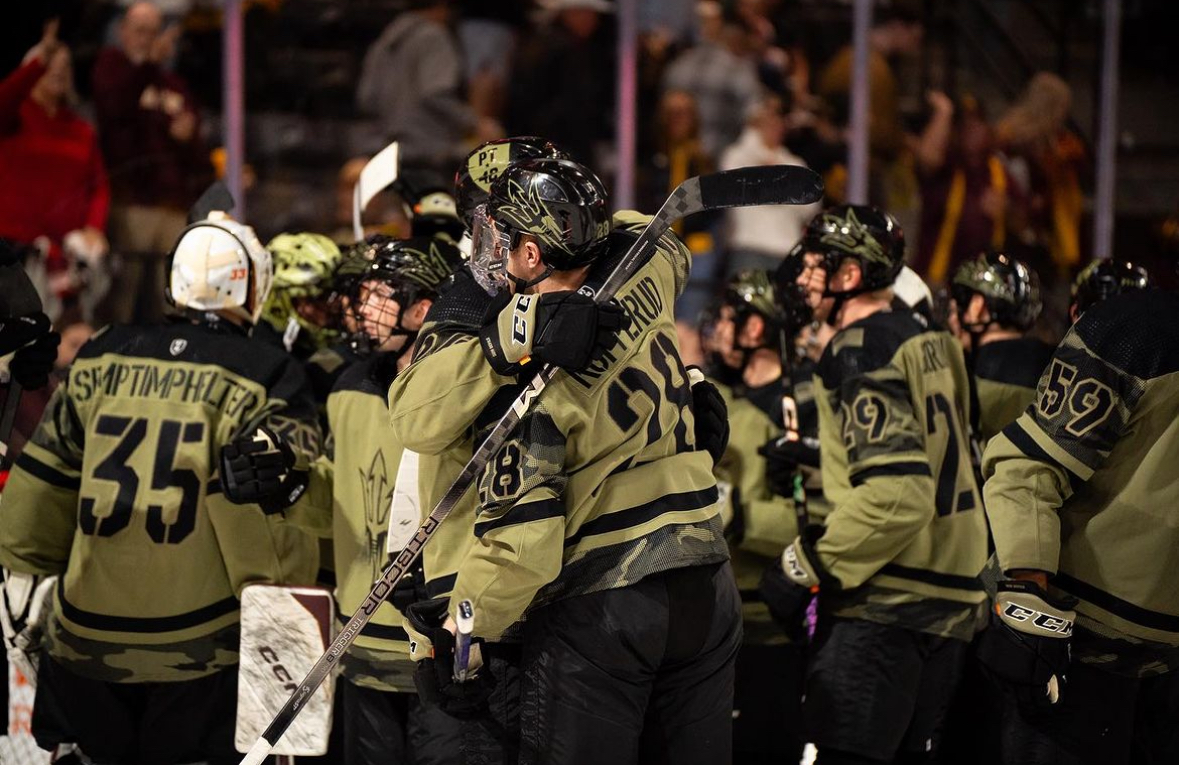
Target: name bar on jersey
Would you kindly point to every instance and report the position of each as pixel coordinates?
(151, 381)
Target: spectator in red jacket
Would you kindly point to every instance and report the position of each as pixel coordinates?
(53, 187)
(150, 132)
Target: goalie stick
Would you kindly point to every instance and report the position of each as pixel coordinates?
(743, 187)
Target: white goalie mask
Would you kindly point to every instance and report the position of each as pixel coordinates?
(213, 265)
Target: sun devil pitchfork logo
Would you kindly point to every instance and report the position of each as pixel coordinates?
(378, 495)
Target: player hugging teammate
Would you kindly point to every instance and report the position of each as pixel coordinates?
(619, 571)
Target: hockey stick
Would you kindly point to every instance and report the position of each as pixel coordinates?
(744, 187)
(378, 173)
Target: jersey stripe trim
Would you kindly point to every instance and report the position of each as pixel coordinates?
(935, 578)
(526, 513)
(47, 473)
(640, 514)
(94, 621)
(1116, 606)
(890, 470)
(1025, 443)
(443, 585)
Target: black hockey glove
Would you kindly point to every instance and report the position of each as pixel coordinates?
(260, 469)
(431, 647)
(711, 414)
(784, 458)
(1025, 649)
(35, 346)
(566, 329)
(789, 584)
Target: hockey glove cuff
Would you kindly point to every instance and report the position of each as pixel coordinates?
(431, 647)
(711, 416)
(1026, 647)
(260, 469)
(566, 329)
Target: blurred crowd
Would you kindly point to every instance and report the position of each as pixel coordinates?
(94, 192)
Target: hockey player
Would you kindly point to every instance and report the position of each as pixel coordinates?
(488, 161)
(996, 300)
(1103, 279)
(1080, 494)
(600, 511)
(752, 326)
(118, 494)
(895, 563)
(348, 498)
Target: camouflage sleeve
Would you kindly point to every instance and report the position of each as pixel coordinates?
(312, 512)
(436, 400)
(671, 249)
(892, 488)
(1083, 405)
(39, 509)
(520, 526)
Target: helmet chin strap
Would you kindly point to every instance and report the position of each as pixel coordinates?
(839, 299)
(522, 284)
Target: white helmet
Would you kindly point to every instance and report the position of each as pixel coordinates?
(213, 264)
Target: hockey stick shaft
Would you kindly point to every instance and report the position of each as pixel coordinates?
(744, 187)
(7, 421)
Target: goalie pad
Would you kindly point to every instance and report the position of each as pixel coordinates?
(284, 631)
(23, 614)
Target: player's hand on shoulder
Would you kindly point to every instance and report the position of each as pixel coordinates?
(566, 329)
(260, 468)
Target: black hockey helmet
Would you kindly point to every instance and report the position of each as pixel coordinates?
(1103, 279)
(488, 161)
(868, 234)
(403, 270)
(559, 202)
(1011, 290)
(782, 306)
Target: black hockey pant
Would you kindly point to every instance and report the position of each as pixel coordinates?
(638, 674)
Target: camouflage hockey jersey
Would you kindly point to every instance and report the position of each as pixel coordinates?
(906, 536)
(118, 493)
(348, 499)
(1005, 374)
(1083, 485)
(600, 484)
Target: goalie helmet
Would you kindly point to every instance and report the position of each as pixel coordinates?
(869, 235)
(1011, 290)
(303, 267)
(218, 264)
(488, 161)
(1103, 279)
(403, 271)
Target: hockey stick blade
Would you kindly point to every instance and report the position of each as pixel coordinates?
(375, 176)
(216, 197)
(787, 184)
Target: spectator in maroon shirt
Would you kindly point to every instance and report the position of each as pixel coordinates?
(53, 188)
(150, 133)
